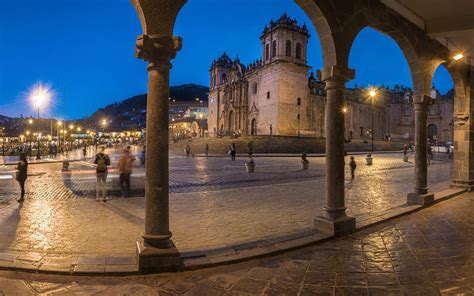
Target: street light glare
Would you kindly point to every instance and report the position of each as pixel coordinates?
(458, 56)
(372, 93)
(40, 95)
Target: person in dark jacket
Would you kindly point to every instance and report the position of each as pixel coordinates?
(22, 175)
(102, 161)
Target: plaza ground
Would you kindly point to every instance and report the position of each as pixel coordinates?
(427, 253)
(213, 203)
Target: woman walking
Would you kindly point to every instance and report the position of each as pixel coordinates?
(22, 174)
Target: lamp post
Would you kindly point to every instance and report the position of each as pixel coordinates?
(40, 95)
(372, 94)
(57, 133)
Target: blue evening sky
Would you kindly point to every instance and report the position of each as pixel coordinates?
(85, 50)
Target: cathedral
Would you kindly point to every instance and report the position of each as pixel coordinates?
(277, 95)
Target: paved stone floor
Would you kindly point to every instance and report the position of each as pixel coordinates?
(430, 252)
(214, 203)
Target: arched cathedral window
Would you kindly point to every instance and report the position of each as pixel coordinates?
(267, 51)
(298, 50)
(298, 102)
(274, 49)
(224, 78)
(288, 48)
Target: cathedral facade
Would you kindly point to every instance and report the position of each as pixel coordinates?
(276, 95)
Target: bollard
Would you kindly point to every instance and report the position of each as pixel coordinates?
(65, 166)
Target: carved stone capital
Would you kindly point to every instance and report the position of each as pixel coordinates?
(422, 99)
(336, 72)
(159, 50)
(461, 119)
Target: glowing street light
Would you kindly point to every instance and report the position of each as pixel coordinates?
(40, 96)
(458, 57)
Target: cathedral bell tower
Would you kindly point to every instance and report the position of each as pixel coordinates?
(284, 40)
(220, 70)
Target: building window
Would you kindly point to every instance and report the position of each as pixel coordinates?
(298, 50)
(299, 116)
(406, 110)
(274, 49)
(255, 88)
(298, 101)
(267, 52)
(432, 131)
(224, 78)
(268, 94)
(288, 48)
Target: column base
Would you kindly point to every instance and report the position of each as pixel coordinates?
(155, 260)
(464, 184)
(338, 227)
(420, 199)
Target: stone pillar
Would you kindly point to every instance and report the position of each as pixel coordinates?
(421, 195)
(463, 166)
(157, 252)
(335, 221)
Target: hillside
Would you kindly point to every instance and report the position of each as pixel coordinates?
(131, 111)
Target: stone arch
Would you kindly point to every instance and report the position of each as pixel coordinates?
(407, 36)
(417, 75)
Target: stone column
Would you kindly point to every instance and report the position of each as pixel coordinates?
(463, 167)
(335, 221)
(421, 195)
(157, 252)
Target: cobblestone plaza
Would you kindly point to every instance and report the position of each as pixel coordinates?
(213, 202)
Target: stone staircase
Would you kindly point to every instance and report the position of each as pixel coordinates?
(276, 145)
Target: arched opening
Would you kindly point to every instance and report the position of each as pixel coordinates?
(274, 49)
(298, 51)
(254, 127)
(432, 132)
(288, 48)
(267, 98)
(231, 121)
(441, 110)
(387, 64)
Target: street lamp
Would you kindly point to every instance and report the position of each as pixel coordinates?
(372, 94)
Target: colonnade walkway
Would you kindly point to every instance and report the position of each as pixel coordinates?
(213, 203)
(429, 253)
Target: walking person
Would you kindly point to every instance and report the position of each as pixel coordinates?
(206, 150)
(187, 150)
(125, 170)
(102, 161)
(353, 166)
(84, 151)
(429, 153)
(22, 175)
(232, 151)
(143, 156)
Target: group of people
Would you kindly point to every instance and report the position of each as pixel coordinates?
(102, 162)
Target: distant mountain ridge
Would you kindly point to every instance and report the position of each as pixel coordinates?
(130, 112)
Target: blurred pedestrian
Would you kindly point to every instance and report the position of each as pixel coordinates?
(187, 150)
(353, 166)
(125, 170)
(102, 161)
(143, 156)
(22, 175)
(206, 150)
(429, 153)
(232, 151)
